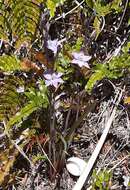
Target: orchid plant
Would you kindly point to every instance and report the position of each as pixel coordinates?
(55, 82)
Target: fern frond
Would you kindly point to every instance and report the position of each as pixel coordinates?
(9, 63)
(112, 70)
(19, 19)
(3, 34)
(10, 101)
(24, 112)
(52, 4)
(36, 99)
(93, 79)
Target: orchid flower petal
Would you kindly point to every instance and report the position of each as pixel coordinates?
(53, 45)
(81, 59)
(48, 83)
(53, 79)
(48, 76)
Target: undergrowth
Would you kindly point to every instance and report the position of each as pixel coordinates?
(47, 75)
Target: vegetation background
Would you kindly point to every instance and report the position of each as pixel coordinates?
(62, 63)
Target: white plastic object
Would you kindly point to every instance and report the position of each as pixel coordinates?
(75, 166)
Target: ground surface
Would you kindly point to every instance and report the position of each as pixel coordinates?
(114, 155)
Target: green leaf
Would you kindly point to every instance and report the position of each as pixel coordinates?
(78, 45)
(101, 71)
(96, 25)
(90, 3)
(126, 48)
(51, 5)
(93, 79)
(115, 4)
(101, 10)
(9, 63)
(38, 97)
(24, 112)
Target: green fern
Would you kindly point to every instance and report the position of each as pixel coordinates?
(9, 63)
(23, 113)
(100, 72)
(105, 9)
(52, 4)
(9, 97)
(19, 19)
(112, 70)
(3, 34)
(36, 99)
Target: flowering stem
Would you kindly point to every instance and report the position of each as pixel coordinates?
(52, 148)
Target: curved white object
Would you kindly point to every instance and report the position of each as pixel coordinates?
(75, 166)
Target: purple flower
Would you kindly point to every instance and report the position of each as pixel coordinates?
(53, 79)
(53, 45)
(80, 59)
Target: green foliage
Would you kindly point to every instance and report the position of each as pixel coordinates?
(9, 63)
(39, 157)
(101, 180)
(126, 48)
(96, 25)
(115, 5)
(78, 45)
(14, 108)
(63, 65)
(103, 9)
(36, 99)
(9, 97)
(112, 70)
(23, 113)
(100, 72)
(19, 19)
(52, 4)
(33, 109)
(90, 3)
(63, 62)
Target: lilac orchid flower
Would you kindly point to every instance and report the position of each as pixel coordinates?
(53, 45)
(80, 59)
(53, 79)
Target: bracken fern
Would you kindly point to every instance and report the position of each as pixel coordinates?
(19, 19)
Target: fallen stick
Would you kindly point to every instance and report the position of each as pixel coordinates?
(89, 166)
